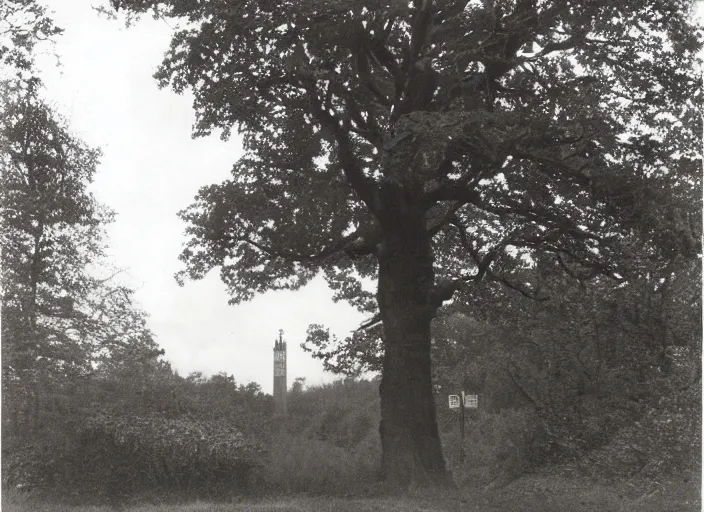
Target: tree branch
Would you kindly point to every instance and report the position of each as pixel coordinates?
(484, 264)
(363, 186)
(299, 257)
(463, 196)
(514, 286)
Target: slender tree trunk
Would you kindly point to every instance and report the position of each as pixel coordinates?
(411, 448)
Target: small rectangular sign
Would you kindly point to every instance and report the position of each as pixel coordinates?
(471, 401)
(454, 401)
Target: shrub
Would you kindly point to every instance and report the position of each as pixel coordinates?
(115, 458)
(191, 456)
(498, 446)
(301, 464)
(665, 441)
(330, 441)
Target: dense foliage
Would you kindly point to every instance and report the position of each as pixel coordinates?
(606, 377)
(168, 436)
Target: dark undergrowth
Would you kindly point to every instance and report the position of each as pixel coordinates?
(327, 453)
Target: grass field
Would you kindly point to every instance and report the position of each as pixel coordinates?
(528, 494)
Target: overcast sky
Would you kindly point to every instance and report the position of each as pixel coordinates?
(150, 170)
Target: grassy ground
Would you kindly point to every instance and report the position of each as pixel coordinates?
(527, 494)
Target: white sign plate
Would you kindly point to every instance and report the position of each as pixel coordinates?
(454, 401)
(471, 401)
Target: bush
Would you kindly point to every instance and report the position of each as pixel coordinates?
(301, 464)
(189, 456)
(498, 446)
(126, 434)
(116, 458)
(665, 442)
(330, 441)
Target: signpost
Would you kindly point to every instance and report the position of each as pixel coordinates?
(462, 402)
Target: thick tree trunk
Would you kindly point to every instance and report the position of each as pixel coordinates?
(412, 453)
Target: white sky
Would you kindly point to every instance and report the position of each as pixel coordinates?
(150, 170)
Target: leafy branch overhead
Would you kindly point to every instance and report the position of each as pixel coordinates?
(24, 25)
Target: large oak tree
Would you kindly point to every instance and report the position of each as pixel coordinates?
(430, 144)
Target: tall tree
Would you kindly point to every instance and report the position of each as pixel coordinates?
(66, 327)
(52, 230)
(62, 318)
(431, 144)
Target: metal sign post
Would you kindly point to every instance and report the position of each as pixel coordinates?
(462, 402)
(462, 428)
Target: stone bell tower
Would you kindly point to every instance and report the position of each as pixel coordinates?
(280, 376)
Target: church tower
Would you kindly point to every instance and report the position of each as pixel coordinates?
(280, 376)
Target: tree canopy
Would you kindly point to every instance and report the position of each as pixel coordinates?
(533, 125)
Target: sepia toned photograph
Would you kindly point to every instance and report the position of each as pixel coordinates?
(351, 255)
